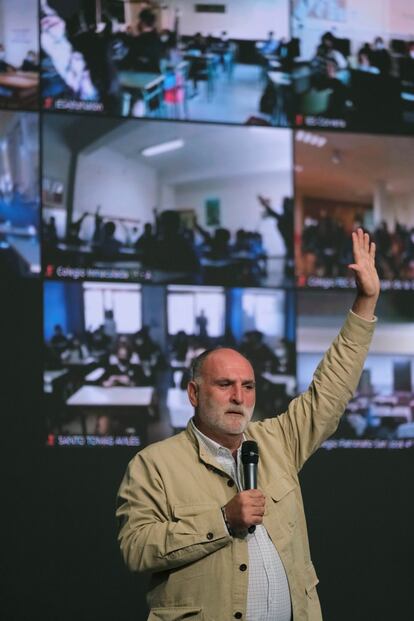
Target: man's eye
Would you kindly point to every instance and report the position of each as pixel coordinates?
(250, 387)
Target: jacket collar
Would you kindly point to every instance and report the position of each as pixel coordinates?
(204, 455)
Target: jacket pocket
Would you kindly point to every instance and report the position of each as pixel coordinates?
(176, 613)
(278, 489)
(311, 580)
(280, 495)
(190, 510)
(281, 513)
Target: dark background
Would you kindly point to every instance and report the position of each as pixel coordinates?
(59, 551)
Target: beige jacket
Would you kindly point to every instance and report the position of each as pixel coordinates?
(170, 498)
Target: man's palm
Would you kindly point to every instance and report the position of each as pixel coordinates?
(366, 275)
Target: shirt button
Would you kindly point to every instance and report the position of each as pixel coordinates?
(238, 615)
(209, 536)
(230, 482)
(243, 567)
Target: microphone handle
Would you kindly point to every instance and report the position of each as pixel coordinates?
(250, 482)
(250, 476)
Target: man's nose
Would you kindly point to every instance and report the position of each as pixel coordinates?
(237, 394)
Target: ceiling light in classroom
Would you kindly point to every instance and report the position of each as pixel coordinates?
(163, 147)
(314, 140)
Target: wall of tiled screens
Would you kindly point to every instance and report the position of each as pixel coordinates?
(181, 176)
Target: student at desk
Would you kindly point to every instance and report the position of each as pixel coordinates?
(270, 45)
(4, 65)
(150, 356)
(219, 245)
(264, 361)
(222, 47)
(109, 246)
(215, 246)
(145, 243)
(58, 342)
(99, 343)
(30, 62)
(172, 251)
(180, 345)
(73, 237)
(147, 50)
(76, 351)
(260, 355)
(381, 58)
(50, 234)
(121, 372)
(326, 65)
(167, 43)
(365, 62)
(198, 43)
(196, 51)
(407, 66)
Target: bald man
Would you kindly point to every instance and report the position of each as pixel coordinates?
(183, 513)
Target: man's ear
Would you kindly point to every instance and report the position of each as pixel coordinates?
(192, 391)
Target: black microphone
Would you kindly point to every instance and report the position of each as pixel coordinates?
(250, 459)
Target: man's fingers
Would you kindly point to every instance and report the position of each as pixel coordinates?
(245, 509)
(257, 501)
(362, 247)
(252, 500)
(356, 245)
(257, 509)
(258, 497)
(257, 521)
(258, 514)
(253, 492)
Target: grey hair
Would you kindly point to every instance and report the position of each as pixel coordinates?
(198, 361)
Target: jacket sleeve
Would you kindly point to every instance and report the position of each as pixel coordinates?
(314, 415)
(155, 536)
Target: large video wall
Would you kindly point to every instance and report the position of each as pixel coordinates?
(186, 175)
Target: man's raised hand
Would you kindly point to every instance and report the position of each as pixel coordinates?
(366, 276)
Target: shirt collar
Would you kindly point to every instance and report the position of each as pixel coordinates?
(213, 447)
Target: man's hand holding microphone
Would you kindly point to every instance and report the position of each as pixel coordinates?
(246, 509)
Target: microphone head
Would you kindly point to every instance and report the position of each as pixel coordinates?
(250, 452)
